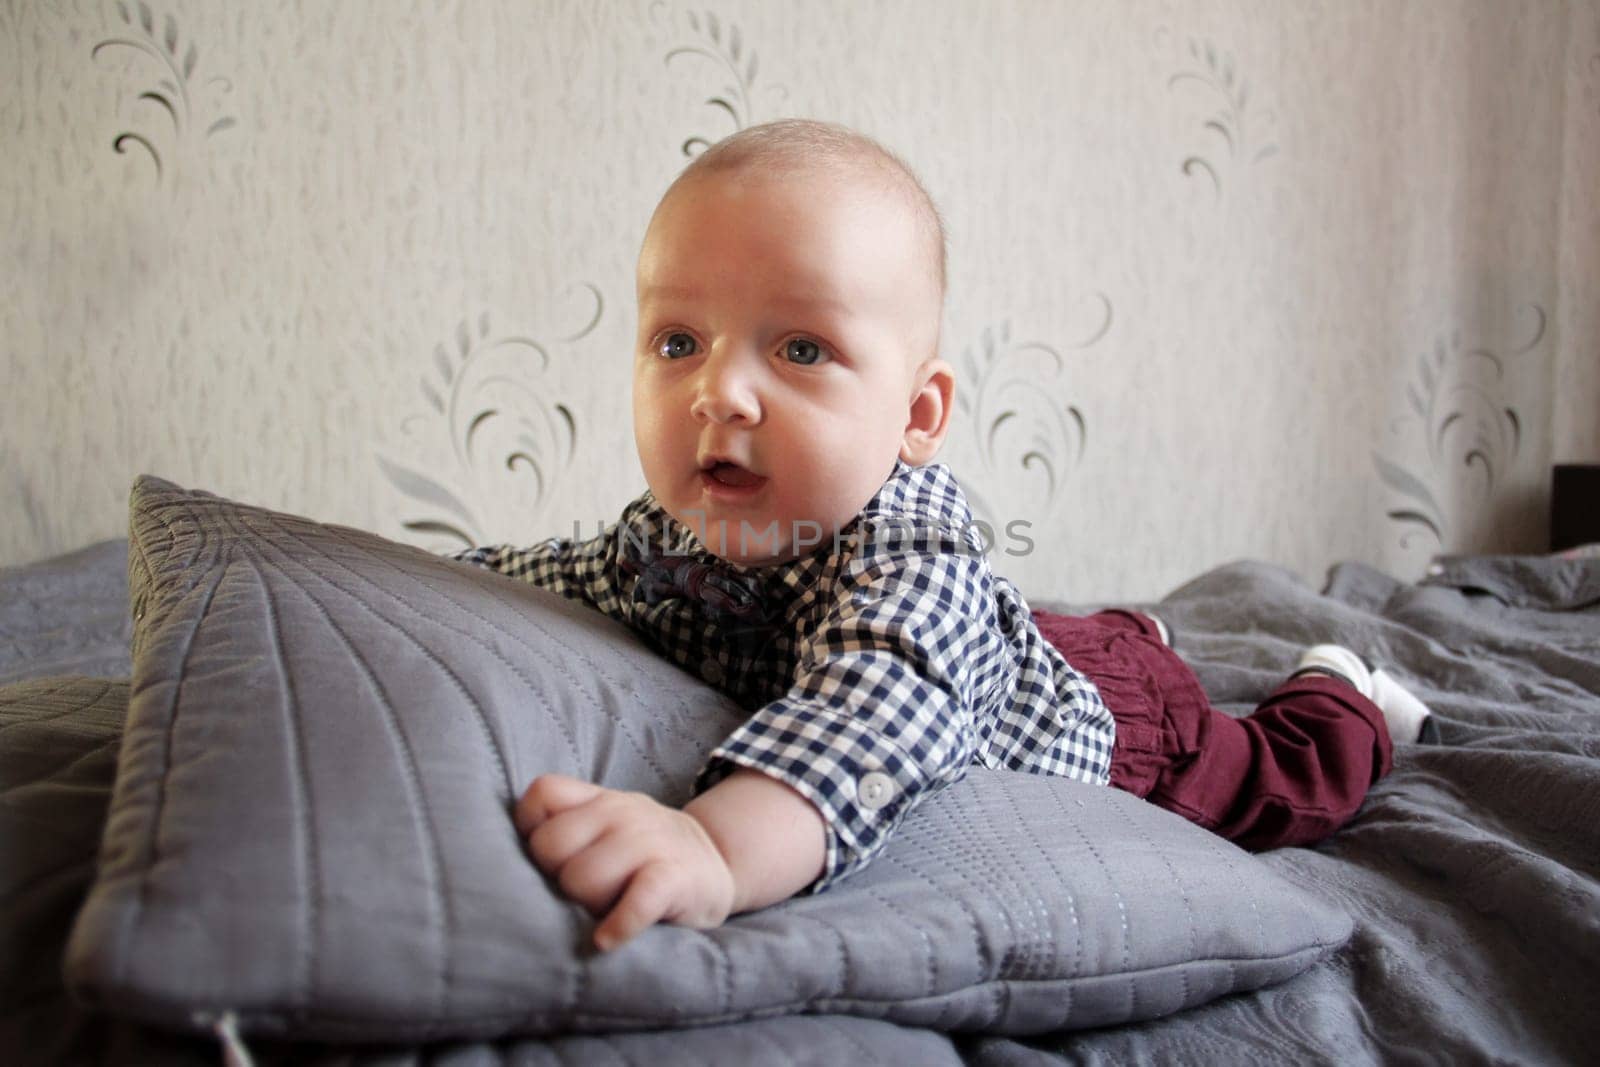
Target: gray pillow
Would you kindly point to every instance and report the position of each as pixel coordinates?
(311, 828)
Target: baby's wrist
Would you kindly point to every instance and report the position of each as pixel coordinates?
(770, 838)
(707, 818)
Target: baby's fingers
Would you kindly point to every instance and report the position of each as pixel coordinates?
(650, 895)
(561, 838)
(551, 794)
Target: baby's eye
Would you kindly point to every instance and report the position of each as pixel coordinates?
(804, 351)
(677, 346)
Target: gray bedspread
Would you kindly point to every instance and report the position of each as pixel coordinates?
(1472, 874)
(67, 615)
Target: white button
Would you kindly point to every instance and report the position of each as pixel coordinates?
(874, 790)
(712, 672)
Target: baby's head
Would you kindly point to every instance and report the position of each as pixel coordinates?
(790, 287)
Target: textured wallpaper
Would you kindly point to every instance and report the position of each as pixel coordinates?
(1295, 281)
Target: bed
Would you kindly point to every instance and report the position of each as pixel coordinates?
(168, 896)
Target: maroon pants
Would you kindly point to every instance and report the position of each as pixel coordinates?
(1292, 772)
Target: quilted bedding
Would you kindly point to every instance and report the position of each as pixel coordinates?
(1471, 875)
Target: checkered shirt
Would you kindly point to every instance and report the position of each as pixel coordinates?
(877, 668)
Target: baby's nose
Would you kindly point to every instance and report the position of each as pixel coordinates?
(727, 392)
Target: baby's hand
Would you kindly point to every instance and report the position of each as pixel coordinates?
(624, 855)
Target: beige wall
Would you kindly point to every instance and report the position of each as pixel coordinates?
(1288, 280)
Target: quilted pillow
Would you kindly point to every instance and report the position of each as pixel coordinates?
(311, 828)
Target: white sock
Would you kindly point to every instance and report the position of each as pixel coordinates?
(1403, 713)
(1407, 716)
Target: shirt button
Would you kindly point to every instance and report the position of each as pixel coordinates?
(712, 672)
(874, 790)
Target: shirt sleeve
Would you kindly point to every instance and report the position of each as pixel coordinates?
(880, 713)
(581, 570)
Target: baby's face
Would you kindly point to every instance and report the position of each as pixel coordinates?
(782, 322)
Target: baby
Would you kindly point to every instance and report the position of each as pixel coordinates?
(798, 550)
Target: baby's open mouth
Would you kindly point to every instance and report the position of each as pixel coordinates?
(732, 475)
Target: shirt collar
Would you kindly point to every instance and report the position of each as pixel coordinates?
(929, 493)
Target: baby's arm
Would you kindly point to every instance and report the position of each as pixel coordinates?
(581, 570)
(772, 838)
(747, 842)
(881, 713)
(813, 785)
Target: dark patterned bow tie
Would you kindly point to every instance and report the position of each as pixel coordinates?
(720, 591)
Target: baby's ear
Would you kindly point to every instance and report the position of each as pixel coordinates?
(930, 412)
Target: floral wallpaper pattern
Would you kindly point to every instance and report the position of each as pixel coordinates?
(487, 397)
(348, 314)
(1233, 120)
(1027, 431)
(1470, 434)
(716, 46)
(181, 98)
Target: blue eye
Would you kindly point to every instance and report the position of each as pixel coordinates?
(803, 351)
(678, 346)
